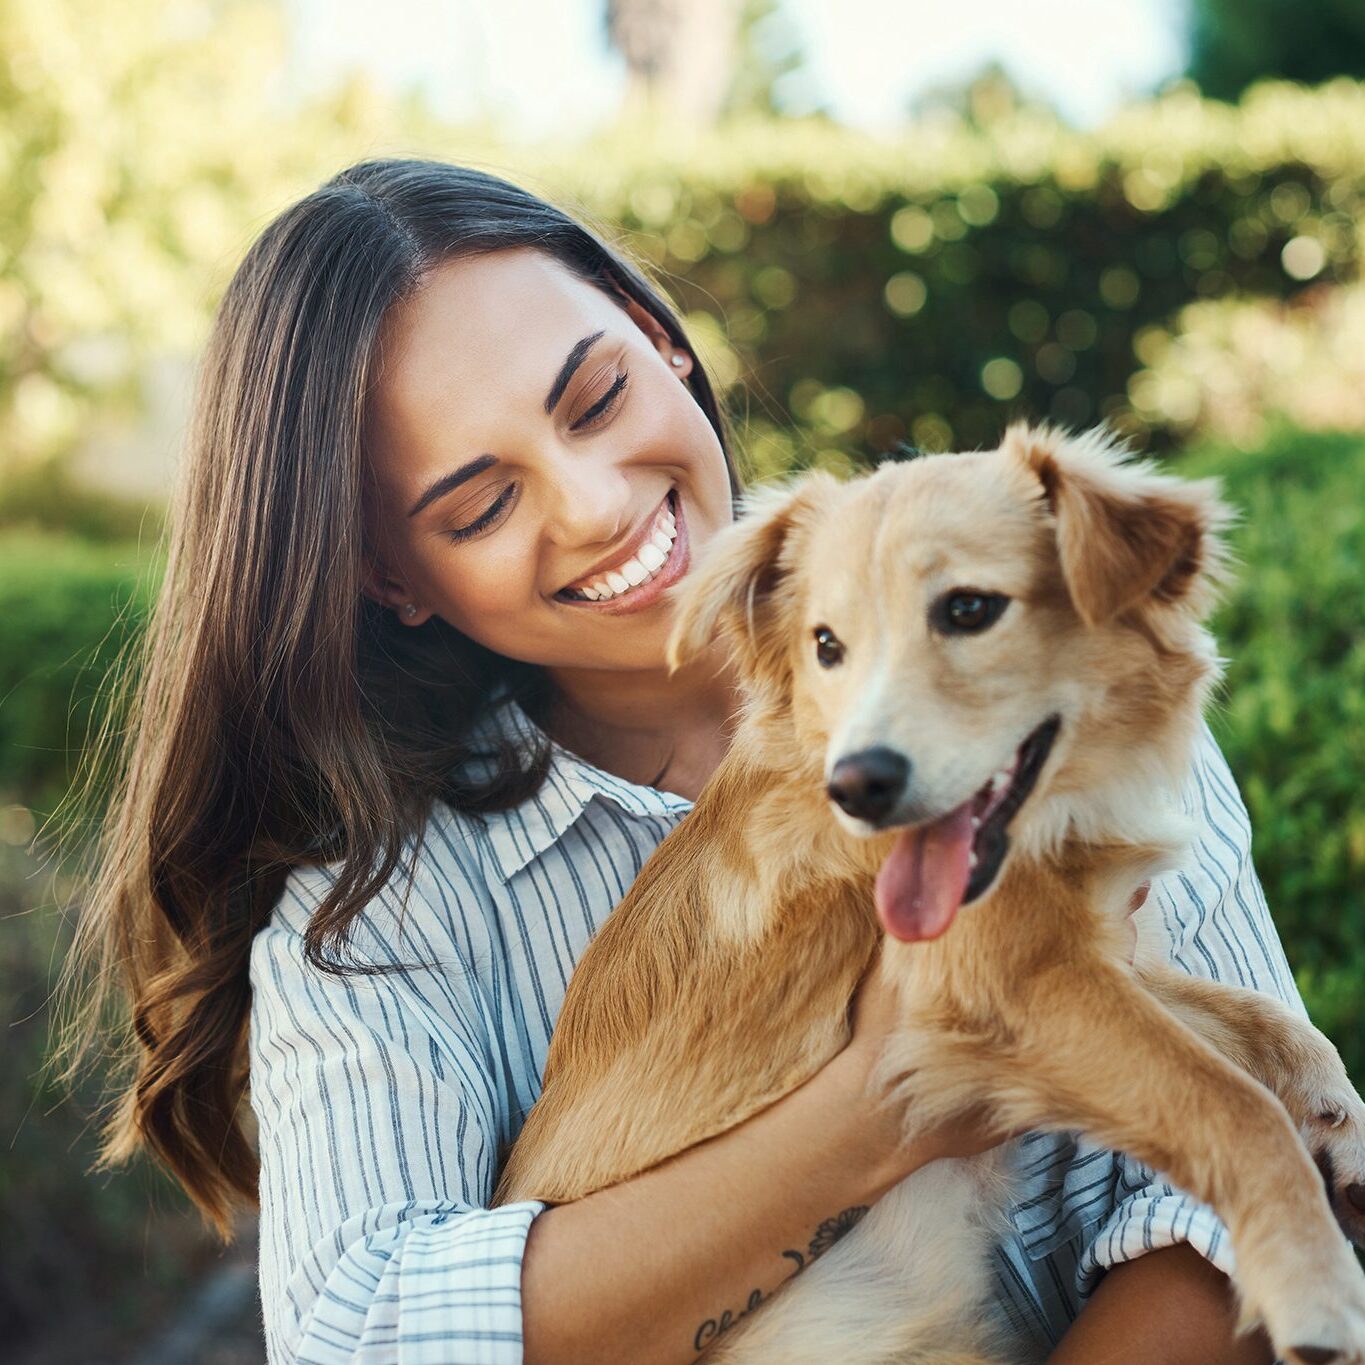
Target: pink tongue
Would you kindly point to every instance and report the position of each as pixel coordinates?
(922, 882)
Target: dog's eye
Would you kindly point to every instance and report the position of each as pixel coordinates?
(827, 647)
(966, 612)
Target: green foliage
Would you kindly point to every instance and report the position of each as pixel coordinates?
(879, 289)
(66, 610)
(45, 497)
(855, 292)
(1292, 719)
(1236, 42)
(75, 1244)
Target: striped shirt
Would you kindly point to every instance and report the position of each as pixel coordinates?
(384, 1103)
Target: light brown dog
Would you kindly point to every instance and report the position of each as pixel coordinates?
(971, 680)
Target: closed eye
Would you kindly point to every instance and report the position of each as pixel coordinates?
(607, 401)
(458, 533)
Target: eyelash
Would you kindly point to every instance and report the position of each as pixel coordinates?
(605, 405)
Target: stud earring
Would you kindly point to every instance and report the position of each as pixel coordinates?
(409, 610)
(677, 361)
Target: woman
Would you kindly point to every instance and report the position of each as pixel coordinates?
(404, 737)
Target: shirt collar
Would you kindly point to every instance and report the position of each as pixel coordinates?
(520, 835)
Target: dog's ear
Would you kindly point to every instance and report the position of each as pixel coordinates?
(744, 582)
(1126, 533)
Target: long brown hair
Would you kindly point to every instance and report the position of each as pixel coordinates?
(275, 716)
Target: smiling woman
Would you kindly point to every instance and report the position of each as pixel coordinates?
(402, 735)
(578, 508)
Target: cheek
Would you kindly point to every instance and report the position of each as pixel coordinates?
(486, 591)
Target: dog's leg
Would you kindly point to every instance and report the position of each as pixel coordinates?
(1291, 1057)
(1086, 1046)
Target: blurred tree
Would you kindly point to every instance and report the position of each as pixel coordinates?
(679, 55)
(143, 144)
(770, 73)
(981, 99)
(1234, 42)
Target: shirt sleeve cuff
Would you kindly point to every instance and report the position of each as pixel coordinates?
(442, 1287)
(1149, 1217)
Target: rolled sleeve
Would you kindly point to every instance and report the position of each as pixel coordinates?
(1151, 1214)
(438, 1287)
(381, 1111)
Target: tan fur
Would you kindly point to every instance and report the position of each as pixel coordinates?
(723, 978)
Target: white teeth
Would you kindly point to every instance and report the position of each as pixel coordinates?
(1001, 780)
(971, 860)
(647, 561)
(976, 822)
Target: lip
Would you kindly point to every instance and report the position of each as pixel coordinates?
(627, 552)
(648, 592)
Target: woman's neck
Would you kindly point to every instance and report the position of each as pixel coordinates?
(647, 727)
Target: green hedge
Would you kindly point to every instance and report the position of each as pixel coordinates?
(67, 607)
(1292, 714)
(885, 290)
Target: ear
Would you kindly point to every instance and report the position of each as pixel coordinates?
(1126, 533)
(379, 586)
(743, 588)
(678, 358)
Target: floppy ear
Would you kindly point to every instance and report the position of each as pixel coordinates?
(743, 585)
(1126, 533)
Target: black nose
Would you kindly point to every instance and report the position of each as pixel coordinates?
(869, 783)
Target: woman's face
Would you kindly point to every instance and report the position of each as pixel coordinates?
(530, 435)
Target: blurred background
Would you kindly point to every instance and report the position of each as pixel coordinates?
(883, 222)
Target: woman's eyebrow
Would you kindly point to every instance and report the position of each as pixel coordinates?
(447, 482)
(566, 371)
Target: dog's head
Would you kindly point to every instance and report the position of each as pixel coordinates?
(981, 648)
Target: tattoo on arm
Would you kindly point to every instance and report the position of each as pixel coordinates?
(826, 1235)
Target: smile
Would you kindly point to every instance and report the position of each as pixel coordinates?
(660, 558)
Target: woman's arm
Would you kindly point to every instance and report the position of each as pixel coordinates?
(1171, 1307)
(654, 1269)
(378, 1114)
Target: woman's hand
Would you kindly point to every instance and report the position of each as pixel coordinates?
(876, 1016)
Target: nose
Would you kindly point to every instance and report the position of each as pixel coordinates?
(869, 783)
(589, 502)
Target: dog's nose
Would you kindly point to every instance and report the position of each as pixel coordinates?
(867, 784)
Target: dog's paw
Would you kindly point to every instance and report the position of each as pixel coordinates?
(1327, 1324)
(1336, 1138)
(1330, 1117)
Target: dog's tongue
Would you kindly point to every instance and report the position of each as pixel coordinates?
(922, 882)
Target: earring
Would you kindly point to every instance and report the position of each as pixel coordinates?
(678, 360)
(410, 610)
